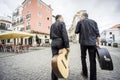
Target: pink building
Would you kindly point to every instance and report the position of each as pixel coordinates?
(37, 18)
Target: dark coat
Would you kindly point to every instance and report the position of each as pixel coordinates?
(88, 32)
(58, 34)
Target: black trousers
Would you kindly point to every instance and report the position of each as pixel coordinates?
(92, 59)
(56, 46)
(53, 76)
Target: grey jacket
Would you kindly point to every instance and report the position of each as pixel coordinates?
(88, 32)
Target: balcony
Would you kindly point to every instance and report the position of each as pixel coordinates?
(17, 21)
(22, 29)
(21, 21)
(28, 16)
(14, 23)
(16, 13)
(3, 27)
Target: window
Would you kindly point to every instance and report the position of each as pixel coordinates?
(28, 25)
(104, 33)
(28, 15)
(21, 19)
(8, 41)
(45, 36)
(110, 32)
(17, 20)
(39, 24)
(17, 28)
(48, 27)
(28, 12)
(46, 40)
(14, 23)
(8, 25)
(48, 18)
(110, 37)
(22, 29)
(39, 14)
(3, 26)
(17, 13)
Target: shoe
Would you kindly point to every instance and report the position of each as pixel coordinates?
(84, 75)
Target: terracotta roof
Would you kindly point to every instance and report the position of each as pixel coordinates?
(116, 26)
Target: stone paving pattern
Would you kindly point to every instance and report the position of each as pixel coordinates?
(36, 65)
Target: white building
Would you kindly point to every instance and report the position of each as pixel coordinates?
(17, 19)
(112, 34)
(18, 24)
(5, 26)
(5, 23)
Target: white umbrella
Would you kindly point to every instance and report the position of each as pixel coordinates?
(14, 34)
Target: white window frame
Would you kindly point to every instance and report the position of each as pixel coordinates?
(39, 25)
(39, 14)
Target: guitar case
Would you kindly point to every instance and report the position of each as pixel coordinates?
(104, 59)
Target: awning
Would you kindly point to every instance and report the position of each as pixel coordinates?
(14, 34)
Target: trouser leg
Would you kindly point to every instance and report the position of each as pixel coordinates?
(54, 52)
(53, 76)
(83, 60)
(92, 57)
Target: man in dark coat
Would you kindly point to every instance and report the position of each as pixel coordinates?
(59, 37)
(88, 38)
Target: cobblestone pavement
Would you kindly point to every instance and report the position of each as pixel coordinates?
(36, 65)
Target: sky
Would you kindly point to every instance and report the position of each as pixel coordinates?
(105, 12)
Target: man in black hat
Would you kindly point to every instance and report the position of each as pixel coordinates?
(88, 37)
(59, 37)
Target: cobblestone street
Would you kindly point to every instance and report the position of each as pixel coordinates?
(36, 65)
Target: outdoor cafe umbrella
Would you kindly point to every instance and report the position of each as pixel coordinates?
(14, 34)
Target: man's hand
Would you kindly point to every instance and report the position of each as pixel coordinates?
(68, 49)
(98, 45)
(98, 42)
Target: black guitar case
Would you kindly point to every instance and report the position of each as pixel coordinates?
(104, 59)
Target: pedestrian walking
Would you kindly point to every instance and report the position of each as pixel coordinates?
(59, 37)
(88, 38)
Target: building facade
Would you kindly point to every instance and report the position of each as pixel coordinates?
(111, 35)
(5, 23)
(37, 20)
(33, 16)
(72, 36)
(18, 23)
(17, 19)
(5, 26)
